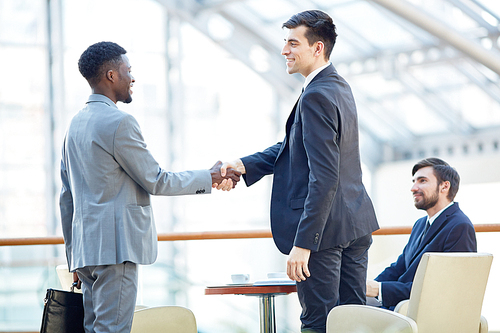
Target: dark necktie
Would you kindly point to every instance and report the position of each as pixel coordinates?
(427, 226)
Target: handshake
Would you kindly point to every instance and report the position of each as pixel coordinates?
(226, 175)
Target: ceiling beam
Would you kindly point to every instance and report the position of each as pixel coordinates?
(452, 117)
(428, 23)
(467, 10)
(475, 76)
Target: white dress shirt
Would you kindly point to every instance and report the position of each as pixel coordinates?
(313, 74)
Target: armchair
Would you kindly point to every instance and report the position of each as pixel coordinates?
(446, 297)
(164, 319)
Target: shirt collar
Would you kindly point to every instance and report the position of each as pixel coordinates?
(101, 98)
(313, 74)
(433, 218)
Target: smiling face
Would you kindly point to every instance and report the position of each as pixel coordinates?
(125, 82)
(300, 56)
(425, 189)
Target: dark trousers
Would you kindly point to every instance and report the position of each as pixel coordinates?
(338, 276)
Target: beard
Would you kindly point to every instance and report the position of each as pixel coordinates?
(427, 202)
(128, 99)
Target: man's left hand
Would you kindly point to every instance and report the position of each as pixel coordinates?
(372, 288)
(297, 264)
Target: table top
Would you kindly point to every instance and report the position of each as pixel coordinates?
(251, 290)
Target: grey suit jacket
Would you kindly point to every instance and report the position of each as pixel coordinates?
(107, 176)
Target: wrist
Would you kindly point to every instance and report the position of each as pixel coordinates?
(239, 166)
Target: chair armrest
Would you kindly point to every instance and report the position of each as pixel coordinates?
(362, 318)
(402, 307)
(483, 325)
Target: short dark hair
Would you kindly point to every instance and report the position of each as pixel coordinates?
(320, 28)
(443, 172)
(98, 58)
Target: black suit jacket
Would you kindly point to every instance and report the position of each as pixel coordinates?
(318, 199)
(452, 231)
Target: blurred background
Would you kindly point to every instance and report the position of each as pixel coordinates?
(211, 85)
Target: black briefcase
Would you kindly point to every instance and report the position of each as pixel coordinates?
(62, 312)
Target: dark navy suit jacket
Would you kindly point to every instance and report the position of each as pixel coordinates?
(452, 231)
(318, 199)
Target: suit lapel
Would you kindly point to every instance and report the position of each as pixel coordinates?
(289, 122)
(329, 70)
(439, 223)
(291, 117)
(436, 226)
(415, 244)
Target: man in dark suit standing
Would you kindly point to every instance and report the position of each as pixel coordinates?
(321, 215)
(445, 229)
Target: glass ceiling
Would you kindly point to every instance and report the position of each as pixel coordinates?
(412, 87)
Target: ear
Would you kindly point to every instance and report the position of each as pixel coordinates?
(111, 75)
(445, 186)
(319, 48)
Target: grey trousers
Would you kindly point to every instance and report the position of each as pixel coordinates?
(109, 295)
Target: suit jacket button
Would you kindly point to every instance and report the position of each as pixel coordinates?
(203, 191)
(197, 191)
(316, 238)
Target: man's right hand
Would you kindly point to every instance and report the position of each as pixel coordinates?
(224, 182)
(236, 165)
(77, 281)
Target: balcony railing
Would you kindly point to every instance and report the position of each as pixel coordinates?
(216, 235)
(208, 235)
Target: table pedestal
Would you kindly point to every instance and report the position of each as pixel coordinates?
(267, 314)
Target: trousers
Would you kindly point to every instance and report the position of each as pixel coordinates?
(338, 276)
(109, 296)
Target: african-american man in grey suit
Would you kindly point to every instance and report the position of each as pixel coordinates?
(108, 175)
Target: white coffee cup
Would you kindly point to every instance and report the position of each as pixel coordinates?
(240, 278)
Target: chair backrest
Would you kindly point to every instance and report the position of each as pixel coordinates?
(164, 319)
(448, 291)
